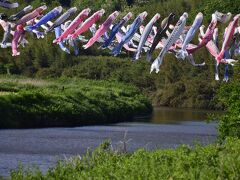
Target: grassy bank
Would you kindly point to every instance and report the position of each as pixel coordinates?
(26, 102)
(211, 162)
(178, 84)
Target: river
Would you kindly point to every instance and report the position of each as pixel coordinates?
(166, 128)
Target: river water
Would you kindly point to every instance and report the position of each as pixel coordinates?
(166, 128)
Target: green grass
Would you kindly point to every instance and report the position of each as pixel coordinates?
(26, 102)
(211, 162)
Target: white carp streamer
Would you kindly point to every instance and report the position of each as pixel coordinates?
(177, 31)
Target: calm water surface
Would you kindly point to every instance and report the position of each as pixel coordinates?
(166, 128)
(166, 115)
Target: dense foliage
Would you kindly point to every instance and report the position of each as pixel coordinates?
(67, 102)
(229, 95)
(211, 162)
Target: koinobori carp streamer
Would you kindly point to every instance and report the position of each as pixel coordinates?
(136, 38)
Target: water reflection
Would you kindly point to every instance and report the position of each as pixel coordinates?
(166, 115)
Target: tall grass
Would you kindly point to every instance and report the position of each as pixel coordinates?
(211, 162)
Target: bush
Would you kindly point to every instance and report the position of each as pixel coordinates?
(229, 95)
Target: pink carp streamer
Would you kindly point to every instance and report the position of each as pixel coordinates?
(34, 14)
(207, 37)
(16, 37)
(87, 24)
(228, 37)
(172, 39)
(104, 28)
(74, 24)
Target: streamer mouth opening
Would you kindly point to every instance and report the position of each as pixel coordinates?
(116, 13)
(59, 9)
(200, 14)
(44, 7)
(144, 15)
(185, 14)
(157, 17)
(237, 17)
(88, 10)
(129, 15)
(102, 11)
(73, 9)
(28, 8)
(214, 17)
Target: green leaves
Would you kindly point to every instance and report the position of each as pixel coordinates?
(229, 95)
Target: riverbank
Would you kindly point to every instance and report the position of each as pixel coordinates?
(44, 147)
(215, 161)
(34, 103)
